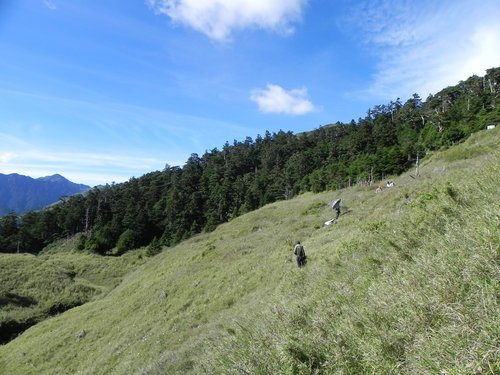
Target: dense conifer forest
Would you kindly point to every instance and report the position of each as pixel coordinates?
(165, 207)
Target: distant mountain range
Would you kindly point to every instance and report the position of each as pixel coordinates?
(20, 193)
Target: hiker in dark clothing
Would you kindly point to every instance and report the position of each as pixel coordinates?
(300, 254)
(336, 207)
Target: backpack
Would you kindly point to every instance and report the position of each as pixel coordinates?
(299, 251)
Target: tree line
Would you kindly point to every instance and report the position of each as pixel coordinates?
(166, 207)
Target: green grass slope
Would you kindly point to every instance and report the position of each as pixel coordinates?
(33, 288)
(407, 282)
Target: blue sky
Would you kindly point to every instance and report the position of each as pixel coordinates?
(103, 90)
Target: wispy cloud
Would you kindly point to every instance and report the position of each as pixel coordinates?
(121, 123)
(219, 18)
(6, 157)
(89, 168)
(50, 4)
(425, 46)
(126, 141)
(10, 141)
(93, 160)
(275, 99)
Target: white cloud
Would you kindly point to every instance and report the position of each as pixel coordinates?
(219, 18)
(425, 46)
(6, 157)
(275, 99)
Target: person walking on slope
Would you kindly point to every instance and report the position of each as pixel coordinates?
(300, 254)
(336, 207)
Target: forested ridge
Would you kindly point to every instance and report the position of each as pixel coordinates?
(165, 207)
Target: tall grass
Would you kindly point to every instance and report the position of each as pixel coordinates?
(32, 288)
(405, 282)
(417, 295)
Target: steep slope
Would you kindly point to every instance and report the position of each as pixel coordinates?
(405, 282)
(20, 193)
(210, 189)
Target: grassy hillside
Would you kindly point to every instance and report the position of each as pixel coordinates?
(33, 288)
(405, 282)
